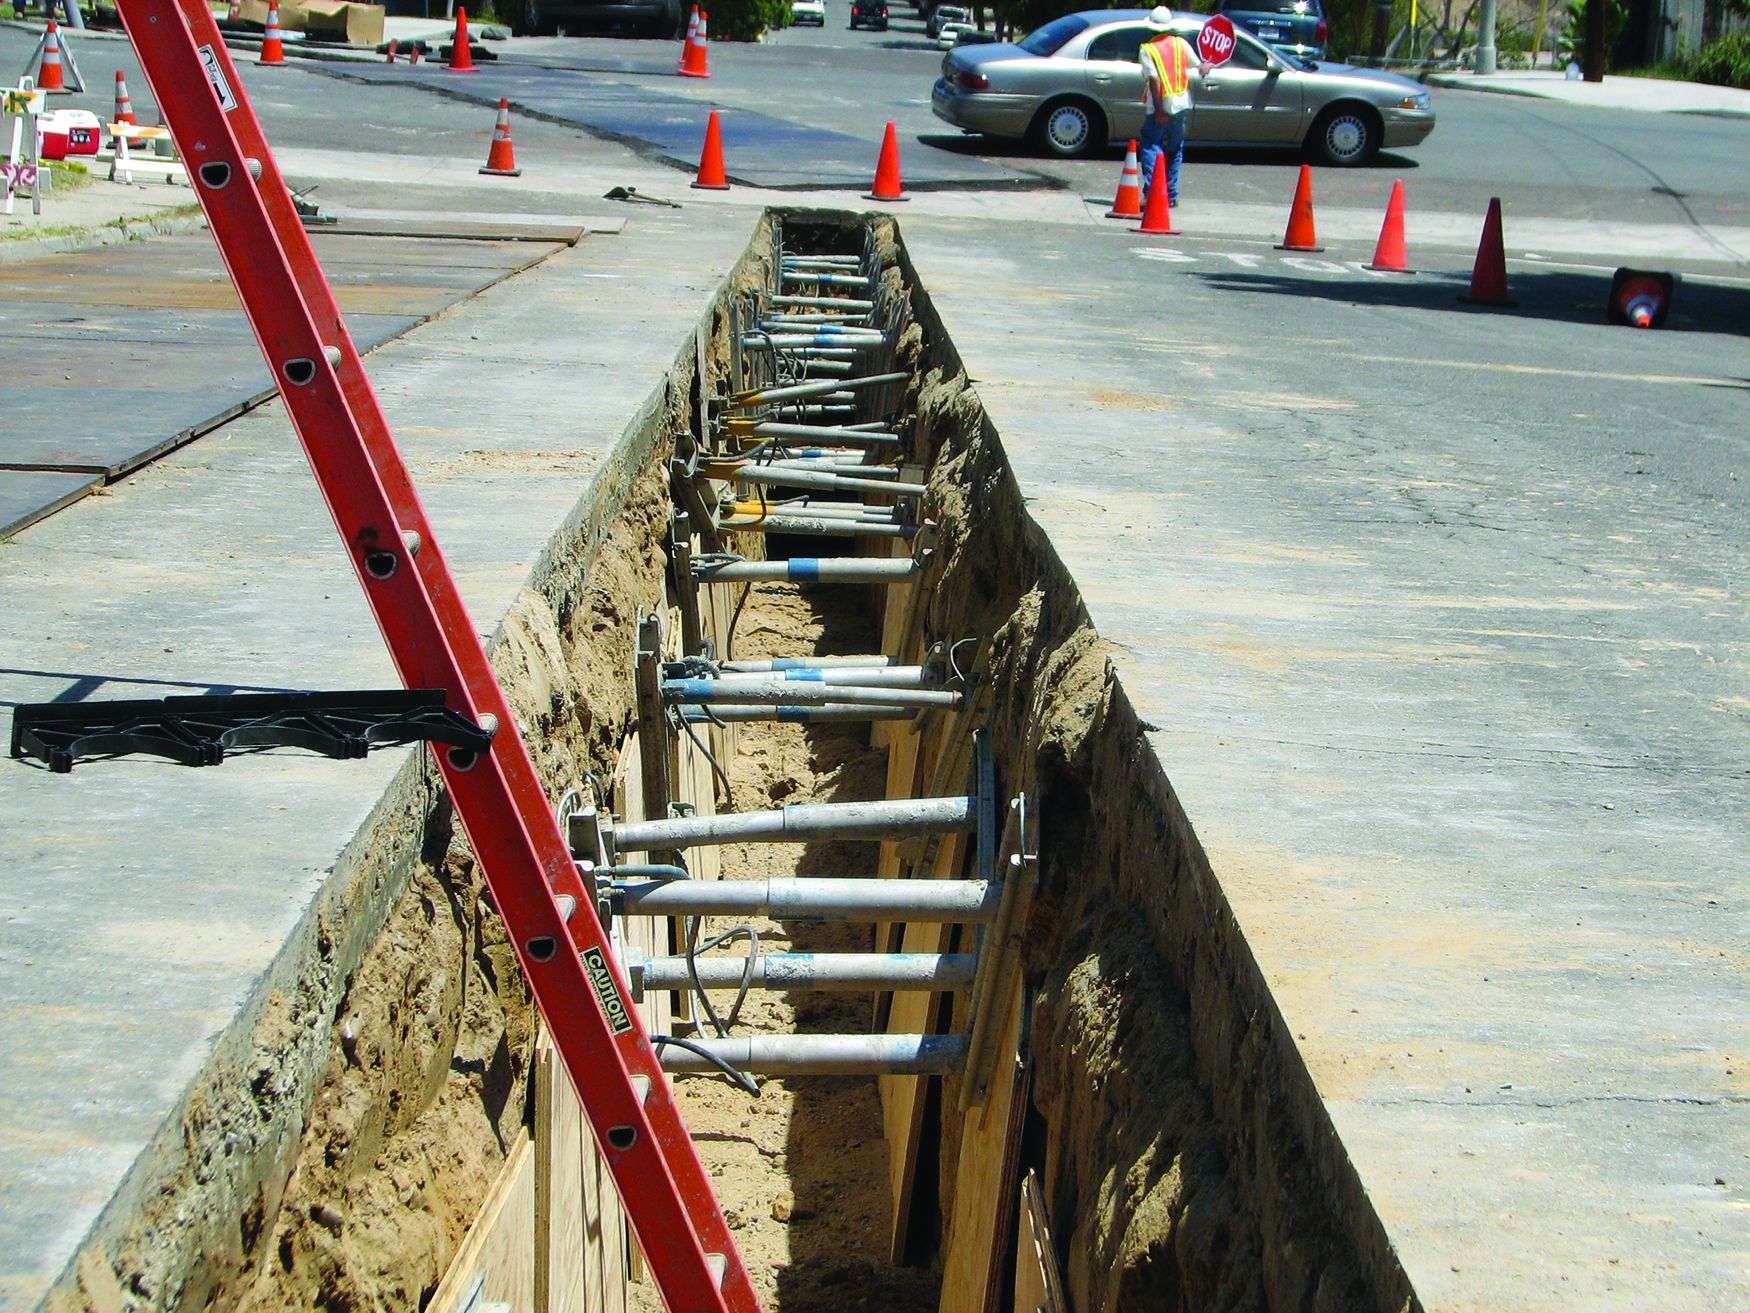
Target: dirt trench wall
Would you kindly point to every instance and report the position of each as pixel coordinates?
(1187, 1161)
(341, 1138)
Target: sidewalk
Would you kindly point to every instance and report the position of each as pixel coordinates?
(1658, 95)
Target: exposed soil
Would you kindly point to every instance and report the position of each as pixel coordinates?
(801, 1170)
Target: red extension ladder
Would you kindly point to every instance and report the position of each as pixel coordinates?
(570, 967)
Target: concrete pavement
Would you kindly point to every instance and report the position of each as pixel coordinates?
(1652, 95)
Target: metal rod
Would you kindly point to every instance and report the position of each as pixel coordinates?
(766, 428)
(823, 278)
(845, 304)
(801, 822)
(854, 511)
(805, 898)
(818, 527)
(789, 478)
(830, 463)
(752, 666)
(808, 972)
(781, 692)
(833, 711)
(824, 1055)
(809, 570)
(766, 396)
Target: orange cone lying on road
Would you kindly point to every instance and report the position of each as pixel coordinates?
(687, 45)
(1158, 217)
(461, 57)
(1301, 235)
(694, 61)
(273, 50)
(887, 186)
(1389, 256)
(124, 108)
(1127, 204)
(48, 73)
(1488, 279)
(501, 159)
(1640, 298)
(711, 176)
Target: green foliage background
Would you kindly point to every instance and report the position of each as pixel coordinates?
(744, 20)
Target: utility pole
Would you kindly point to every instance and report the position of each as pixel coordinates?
(1594, 61)
(1381, 30)
(1485, 59)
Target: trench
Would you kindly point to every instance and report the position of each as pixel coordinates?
(1145, 1137)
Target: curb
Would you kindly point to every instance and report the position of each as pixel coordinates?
(114, 233)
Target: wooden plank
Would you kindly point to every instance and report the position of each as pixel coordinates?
(580, 1238)
(981, 1219)
(500, 1246)
(1038, 1282)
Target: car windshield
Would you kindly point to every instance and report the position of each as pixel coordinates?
(1048, 40)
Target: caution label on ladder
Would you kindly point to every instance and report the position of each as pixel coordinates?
(613, 1006)
(216, 75)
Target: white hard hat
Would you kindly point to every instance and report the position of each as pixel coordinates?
(1160, 17)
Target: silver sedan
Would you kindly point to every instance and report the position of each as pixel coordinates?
(1074, 85)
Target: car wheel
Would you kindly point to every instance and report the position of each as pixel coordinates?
(1346, 135)
(525, 18)
(1069, 128)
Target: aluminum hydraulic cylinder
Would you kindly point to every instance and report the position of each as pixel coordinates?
(808, 972)
(849, 437)
(825, 1055)
(803, 527)
(754, 666)
(824, 278)
(799, 391)
(865, 676)
(832, 711)
(787, 478)
(711, 692)
(844, 304)
(809, 570)
(804, 898)
(887, 818)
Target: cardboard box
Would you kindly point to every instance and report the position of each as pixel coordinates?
(326, 20)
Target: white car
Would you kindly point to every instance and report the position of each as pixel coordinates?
(808, 11)
(950, 34)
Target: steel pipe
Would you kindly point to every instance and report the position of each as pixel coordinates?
(887, 818)
(809, 570)
(805, 898)
(781, 692)
(804, 973)
(824, 1055)
(799, 391)
(832, 711)
(790, 478)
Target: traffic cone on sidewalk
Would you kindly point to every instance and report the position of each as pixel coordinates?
(501, 159)
(696, 61)
(1157, 218)
(413, 53)
(392, 51)
(1127, 204)
(887, 186)
(461, 57)
(235, 12)
(273, 49)
(1488, 279)
(1389, 256)
(124, 108)
(48, 73)
(711, 176)
(1301, 235)
(687, 45)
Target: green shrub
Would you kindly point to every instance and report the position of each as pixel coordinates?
(1725, 62)
(745, 20)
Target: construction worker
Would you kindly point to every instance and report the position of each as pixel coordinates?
(1166, 93)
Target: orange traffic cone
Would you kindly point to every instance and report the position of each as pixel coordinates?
(48, 73)
(1389, 256)
(413, 53)
(394, 48)
(696, 61)
(461, 58)
(273, 50)
(1301, 236)
(501, 159)
(235, 12)
(1488, 279)
(1128, 203)
(124, 108)
(887, 186)
(687, 45)
(1640, 298)
(711, 176)
(1158, 217)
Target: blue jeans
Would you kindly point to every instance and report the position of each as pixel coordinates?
(1157, 138)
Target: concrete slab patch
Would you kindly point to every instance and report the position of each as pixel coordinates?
(28, 495)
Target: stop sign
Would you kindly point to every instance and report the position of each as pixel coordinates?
(1216, 41)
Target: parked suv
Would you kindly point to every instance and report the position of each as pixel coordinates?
(941, 16)
(869, 13)
(1295, 26)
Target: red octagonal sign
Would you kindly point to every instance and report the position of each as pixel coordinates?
(1216, 41)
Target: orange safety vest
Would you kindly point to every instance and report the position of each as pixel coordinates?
(1175, 76)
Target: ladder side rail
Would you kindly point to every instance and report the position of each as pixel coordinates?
(519, 861)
